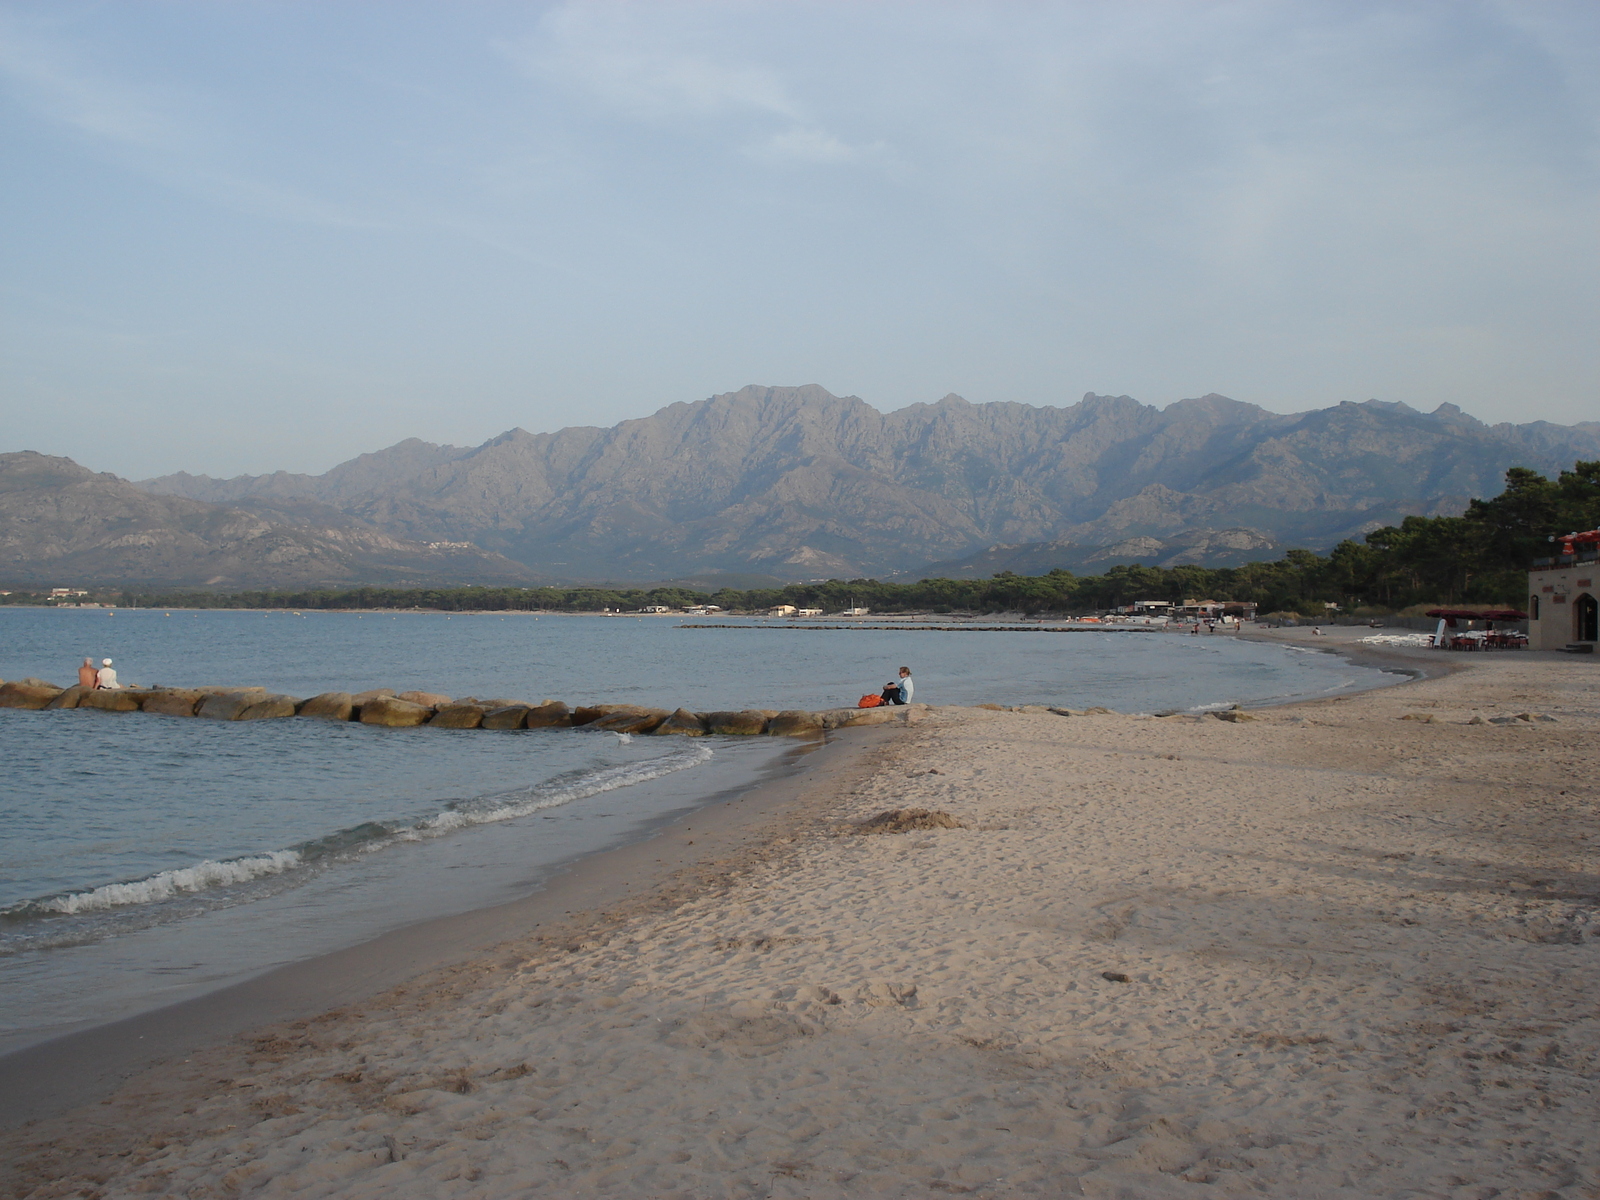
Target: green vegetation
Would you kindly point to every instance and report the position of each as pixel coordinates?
(1479, 557)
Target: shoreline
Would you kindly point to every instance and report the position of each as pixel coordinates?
(1160, 958)
(64, 1070)
(83, 1064)
(1419, 663)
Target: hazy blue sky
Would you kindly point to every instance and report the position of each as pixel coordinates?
(243, 236)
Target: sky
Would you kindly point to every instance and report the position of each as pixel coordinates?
(245, 236)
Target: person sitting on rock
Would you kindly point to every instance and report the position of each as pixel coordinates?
(88, 677)
(898, 691)
(106, 676)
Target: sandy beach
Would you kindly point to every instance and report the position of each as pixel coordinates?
(1343, 948)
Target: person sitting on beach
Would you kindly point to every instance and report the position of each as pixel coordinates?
(88, 677)
(106, 676)
(898, 691)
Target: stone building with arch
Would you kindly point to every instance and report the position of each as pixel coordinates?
(1563, 601)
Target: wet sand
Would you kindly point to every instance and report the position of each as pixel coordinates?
(1345, 948)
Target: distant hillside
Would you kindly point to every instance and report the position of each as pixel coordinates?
(1201, 547)
(796, 483)
(61, 524)
(364, 473)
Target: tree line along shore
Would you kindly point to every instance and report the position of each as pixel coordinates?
(1480, 557)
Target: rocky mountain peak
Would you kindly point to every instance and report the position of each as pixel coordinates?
(795, 481)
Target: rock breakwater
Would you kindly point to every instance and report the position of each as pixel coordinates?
(391, 709)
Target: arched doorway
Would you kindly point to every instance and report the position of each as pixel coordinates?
(1586, 618)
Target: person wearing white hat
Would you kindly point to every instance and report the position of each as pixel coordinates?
(106, 677)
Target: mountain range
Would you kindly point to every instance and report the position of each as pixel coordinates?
(796, 483)
(62, 524)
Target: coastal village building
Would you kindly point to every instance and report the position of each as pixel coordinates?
(1563, 612)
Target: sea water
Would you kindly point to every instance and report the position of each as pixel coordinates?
(144, 859)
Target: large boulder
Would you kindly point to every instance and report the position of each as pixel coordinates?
(111, 700)
(394, 712)
(23, 694)
(225, 706)
(330, 706)
(741, 724)
(70, 697)
(587, 714)
(553, 715)
(459, 716)
(795, 722)
(839, 718)
(269, 708)
(361, 698)
(872, 716)
(173, 702)
(641, 721)
(510, 716)
(682, 722)
(430, 699)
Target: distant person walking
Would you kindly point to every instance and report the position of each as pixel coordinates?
(88, 677)
(106, 676)
(899, 691)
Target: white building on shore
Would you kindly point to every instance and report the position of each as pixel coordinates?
(1563, 613)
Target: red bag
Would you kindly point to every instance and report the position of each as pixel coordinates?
(870, 702)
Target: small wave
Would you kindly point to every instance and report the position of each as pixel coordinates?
(362, 839)
(507, 806)
(167, 884)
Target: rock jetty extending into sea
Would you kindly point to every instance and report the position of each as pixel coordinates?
(383, 706)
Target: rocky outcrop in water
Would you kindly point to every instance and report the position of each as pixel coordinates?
(382, 707)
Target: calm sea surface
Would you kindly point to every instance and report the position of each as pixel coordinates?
(144, 859)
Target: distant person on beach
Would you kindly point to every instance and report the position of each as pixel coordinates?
(106, 676)
(88, 677)
(898, 691)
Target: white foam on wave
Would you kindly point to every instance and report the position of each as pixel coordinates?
(167, 884)
(506, 806)
(509, 805)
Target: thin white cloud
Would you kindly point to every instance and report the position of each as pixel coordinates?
(632, 66)
(155, 134)
(803, 147)
(648, 65)
(58, 86)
